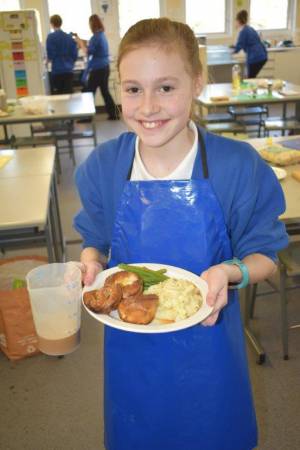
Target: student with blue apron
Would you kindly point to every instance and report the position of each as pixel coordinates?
(189, 389)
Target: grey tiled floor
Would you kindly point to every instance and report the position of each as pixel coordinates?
(56, 404)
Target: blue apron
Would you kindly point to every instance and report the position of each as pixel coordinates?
(184, 390)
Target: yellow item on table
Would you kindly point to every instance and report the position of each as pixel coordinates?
(281, 156)
(296, 174)
(4, 160)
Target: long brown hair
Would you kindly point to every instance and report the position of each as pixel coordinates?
(166, 33)
(96, 23)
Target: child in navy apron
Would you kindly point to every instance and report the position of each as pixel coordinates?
(170, 193)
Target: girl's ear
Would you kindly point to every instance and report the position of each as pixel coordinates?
(198, 85)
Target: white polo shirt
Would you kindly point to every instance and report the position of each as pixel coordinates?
(182, 172)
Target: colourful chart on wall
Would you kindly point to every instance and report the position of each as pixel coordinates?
(18, 58)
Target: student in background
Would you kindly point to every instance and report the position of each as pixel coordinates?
(250, 42)
(62, 52)
(170, 192)
(98, 70)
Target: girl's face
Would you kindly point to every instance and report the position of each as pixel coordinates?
(156, 95)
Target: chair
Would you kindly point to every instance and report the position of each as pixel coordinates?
(289, 267)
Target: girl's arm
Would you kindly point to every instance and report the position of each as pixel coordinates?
(241, 42)
(81, 44)
(93, 262)
(219, 276)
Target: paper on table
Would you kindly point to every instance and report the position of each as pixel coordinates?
(4, 160)
(289, 93)
(292, 143)
(59, 97)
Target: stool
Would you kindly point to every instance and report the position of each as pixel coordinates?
(248, 111)
(289, 266)
(280, 125)
(215, 118)
(232, 127)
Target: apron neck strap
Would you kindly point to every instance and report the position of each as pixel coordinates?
(202, 154)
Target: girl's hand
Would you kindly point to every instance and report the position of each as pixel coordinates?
(89, 271)
(217, 280)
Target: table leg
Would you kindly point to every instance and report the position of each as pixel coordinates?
(49, 243)
(253, 341)
(94, 132)
(56, 218)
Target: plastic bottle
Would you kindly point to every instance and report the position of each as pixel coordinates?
(236, 77)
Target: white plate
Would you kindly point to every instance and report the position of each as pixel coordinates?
(280, 173)
(113, 319)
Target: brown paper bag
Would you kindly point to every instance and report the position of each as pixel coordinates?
(17, 332)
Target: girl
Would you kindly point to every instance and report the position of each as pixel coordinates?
(250, 42)
(97, 71)
(171, 193)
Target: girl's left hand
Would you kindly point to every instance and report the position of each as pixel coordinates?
(217, 280)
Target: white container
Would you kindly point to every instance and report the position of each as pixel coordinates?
(35, 105)
(55, 296)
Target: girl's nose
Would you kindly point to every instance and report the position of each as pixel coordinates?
(149, 104)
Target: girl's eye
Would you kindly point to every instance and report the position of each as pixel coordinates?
(132, 90)
(166, 88)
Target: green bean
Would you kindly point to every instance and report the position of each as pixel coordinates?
(148, 276)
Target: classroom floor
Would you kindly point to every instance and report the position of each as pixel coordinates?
(56, 404)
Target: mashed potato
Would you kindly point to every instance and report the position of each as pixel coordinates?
(178, 300)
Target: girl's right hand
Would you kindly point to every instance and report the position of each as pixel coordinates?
(90, 270)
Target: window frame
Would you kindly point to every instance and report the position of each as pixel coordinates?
(228, 23)
(49, 14)
(119, 17)
(291, 20)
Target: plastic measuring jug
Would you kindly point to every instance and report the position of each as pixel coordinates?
(55, 297)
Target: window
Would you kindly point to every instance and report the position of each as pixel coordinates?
(269, 14)
(75, 17)
(131, 11)
(9, 5)
(206, 16)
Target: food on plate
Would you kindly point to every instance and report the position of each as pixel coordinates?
(103, 300)
(148, 276)
(280, 156)
(139, 309)
(142, 296)
(178, 300)
(130, 283)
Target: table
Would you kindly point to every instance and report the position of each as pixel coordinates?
(60, 107)
(291, 190)
(242, 99)
(29, 211)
